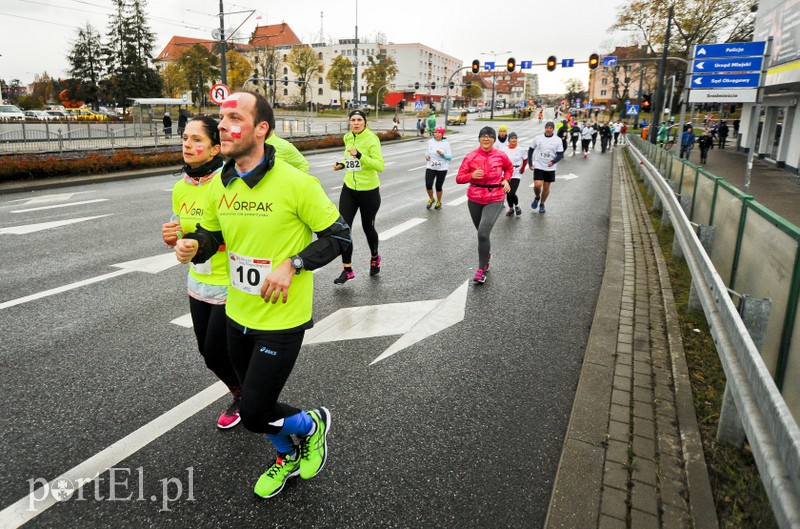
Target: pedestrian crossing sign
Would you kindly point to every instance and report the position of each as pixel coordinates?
(633, 110)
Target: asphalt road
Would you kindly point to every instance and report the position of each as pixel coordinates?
(463, 428)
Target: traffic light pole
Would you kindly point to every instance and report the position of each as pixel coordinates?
(447, 93)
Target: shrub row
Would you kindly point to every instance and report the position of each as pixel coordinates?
(36, 166)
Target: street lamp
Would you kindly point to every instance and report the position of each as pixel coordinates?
(494, 74)
(356, 98)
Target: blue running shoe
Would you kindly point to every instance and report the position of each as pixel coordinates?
(541, 209)
(535, 203)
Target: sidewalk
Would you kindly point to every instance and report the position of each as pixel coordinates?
(633, 457)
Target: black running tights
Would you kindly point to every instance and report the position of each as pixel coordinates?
(369, 202)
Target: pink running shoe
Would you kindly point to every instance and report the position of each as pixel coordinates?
(230, 417)
(480, 276)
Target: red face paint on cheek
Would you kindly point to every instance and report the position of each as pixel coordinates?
(236, 132)
(199, 149)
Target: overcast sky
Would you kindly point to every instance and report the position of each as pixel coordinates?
(38, 34)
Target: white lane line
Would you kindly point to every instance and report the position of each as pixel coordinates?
(418, 168)
(397, 230)
(458, 201)
(61, 205)
(31, 228)
(35, 503)
(58, 290)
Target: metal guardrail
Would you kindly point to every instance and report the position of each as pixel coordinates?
(33, 138)
(767, 421)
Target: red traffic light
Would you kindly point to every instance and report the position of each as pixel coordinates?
(476, 66)
(551, 63)
(594, 60)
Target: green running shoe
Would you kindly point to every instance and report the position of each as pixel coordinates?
(314, 448)
(272, 481)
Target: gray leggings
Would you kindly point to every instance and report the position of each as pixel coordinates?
(484, 217)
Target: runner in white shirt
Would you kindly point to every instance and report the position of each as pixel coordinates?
(545, 152)
(438, 155)
(586, 138)
(519, 160)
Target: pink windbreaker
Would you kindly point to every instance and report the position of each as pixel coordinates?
(496, 168)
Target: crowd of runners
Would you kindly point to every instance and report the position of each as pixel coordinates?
(265, 224)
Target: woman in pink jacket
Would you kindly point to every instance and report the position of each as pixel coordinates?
(487, 171)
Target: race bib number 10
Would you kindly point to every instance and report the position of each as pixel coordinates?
(248, 273)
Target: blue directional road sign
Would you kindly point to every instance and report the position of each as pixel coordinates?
(526, 65)
(610, 60)
(745, 80)
(730, 49)
(633, 110)
(748, 64)
(488, 65)
(567, 63)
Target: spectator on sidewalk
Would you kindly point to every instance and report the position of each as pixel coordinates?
(723, 134)
(167, 122)
(706, 144)
(687, 142)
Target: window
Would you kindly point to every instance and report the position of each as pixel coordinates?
(320, 55)
(285, 70)
(320, 80)
(286, 91)
(603, 92)
(319, 92)
(604, 82)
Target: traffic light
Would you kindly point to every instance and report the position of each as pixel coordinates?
(551, 63)
(255, 77)
(512, 64)
(476, 66)
(452, 85)
(416, 86)
(433, 86)
(469, 84)
(646, 101)
(594, 60)
(285, 80)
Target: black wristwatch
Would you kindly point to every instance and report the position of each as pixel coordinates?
(297, 264)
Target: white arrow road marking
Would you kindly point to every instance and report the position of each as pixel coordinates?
(415, 320)
(569, 176)
(458, 201)
(184, 321)
(61, 205)
(400, 228)
(31, 228)
(31, 506)
(150, 265)
(46, 199)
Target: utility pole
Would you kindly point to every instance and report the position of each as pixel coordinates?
(222, 46)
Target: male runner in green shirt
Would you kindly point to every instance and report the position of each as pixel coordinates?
(264, 211)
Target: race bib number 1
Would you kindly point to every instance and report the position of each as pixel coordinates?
(351, 163)
(248, 273)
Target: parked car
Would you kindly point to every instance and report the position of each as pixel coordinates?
(58, 115)
(472, 110)
(85, 114)
(11, 113)
(457, 116)
(38, 115)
